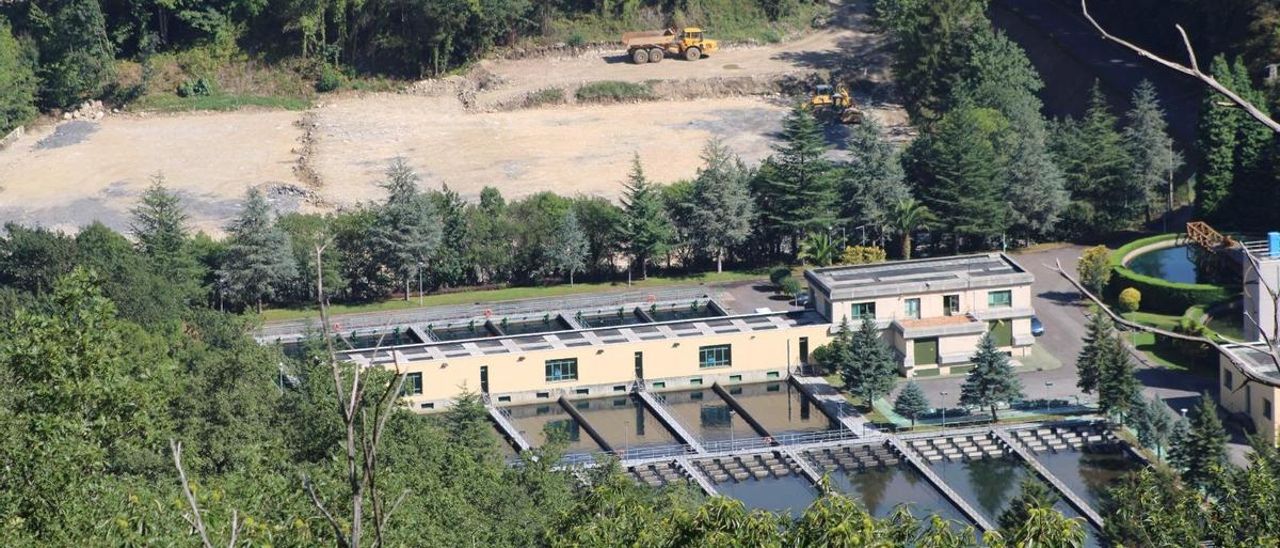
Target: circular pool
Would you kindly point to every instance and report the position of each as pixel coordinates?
(1169, 263)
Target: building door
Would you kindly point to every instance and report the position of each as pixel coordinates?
(804, 350)
(484, 379)
(926, 351)
(1002, 332)
(640, 365)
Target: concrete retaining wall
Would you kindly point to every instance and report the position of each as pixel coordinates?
(12, 137)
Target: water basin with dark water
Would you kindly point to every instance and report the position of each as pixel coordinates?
(528, 327)
(789, 494)
(625, 423)
(537, 422)
(781, 408)
(706, 415)
(672, 312)
(1171, 263)
(1089, 473)
(883, 489)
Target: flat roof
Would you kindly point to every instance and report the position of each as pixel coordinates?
(508, 344)
(1255, 356)
(918, 276)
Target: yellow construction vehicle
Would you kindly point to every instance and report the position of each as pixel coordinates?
(834, 103)
(651, 46)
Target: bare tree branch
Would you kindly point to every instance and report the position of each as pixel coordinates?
(195, 520)
(235, 528)
(333, 522)
(1193, 70)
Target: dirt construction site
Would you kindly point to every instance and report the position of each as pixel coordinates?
(469, 131)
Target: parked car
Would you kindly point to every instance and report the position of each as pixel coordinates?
(1037, 328)
(802, 299)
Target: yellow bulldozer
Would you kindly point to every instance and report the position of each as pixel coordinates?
(651, 46)
(834, 103)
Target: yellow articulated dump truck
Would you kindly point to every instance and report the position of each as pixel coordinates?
(651, 46)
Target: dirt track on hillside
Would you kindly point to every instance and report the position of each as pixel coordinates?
(452, 134)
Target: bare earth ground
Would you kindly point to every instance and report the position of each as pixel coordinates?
(452, 131)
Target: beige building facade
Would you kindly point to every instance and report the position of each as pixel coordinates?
(1250, 385)
(933, 312)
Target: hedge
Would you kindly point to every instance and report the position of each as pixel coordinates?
(1159, 295)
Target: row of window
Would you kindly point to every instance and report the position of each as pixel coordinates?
(950, 305)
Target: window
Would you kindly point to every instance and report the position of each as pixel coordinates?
(543, 395)
(913, 308)
(1000, 299)
(504, 399)
(863, 310)
(660, 384)
(620, 402)
(1001, 332)
(582, 391)
(714, 356)
(950, 305)
(735, 378)
(735, 391)
(773, 388)
(695, 382)
(772, 375)
(1266, 408)
(1226, 379)
(412, 385)
(562, 370)
(428, 405)
(620, 388)
(697, 396)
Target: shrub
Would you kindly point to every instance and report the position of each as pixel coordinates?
(1130, 299)
(778, 274)
(791, 286)
(1094, 269)
(862, 254)
(200, 87)
(576, 39)
(612, 91)
(543, 97)
(330, 79)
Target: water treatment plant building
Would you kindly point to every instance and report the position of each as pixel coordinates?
(932, 311)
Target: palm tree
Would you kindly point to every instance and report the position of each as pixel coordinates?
(818, 249)
(907, 216)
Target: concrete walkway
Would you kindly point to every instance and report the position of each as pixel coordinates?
(1078, 503)
(670, 421)
(509, 428)
(942, 486)
(696, 476)
(834, 404)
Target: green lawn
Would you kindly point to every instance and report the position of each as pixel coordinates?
(169, 102)
(510, 294)
(1161, 321)
(1170, 357)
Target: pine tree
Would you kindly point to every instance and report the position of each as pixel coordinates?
(1117, 386)
(448, 266)
(911, 402)
(932, 51)
(75, 52)
(873, 180)
(991, 381)
(646, 228)
(870, 371)
(1088, 363)
(1156, 424)
(1147, 138)
(802, 179)
(259, 257)
(569, 247)
(18, 82)
(1034, 185)
(160, 226)
(1217, 145)
(1102, 164)
(1035, 494)
(1198, 444)
(407, 232)
(959, 168)
(720, 212)
(833, 356)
